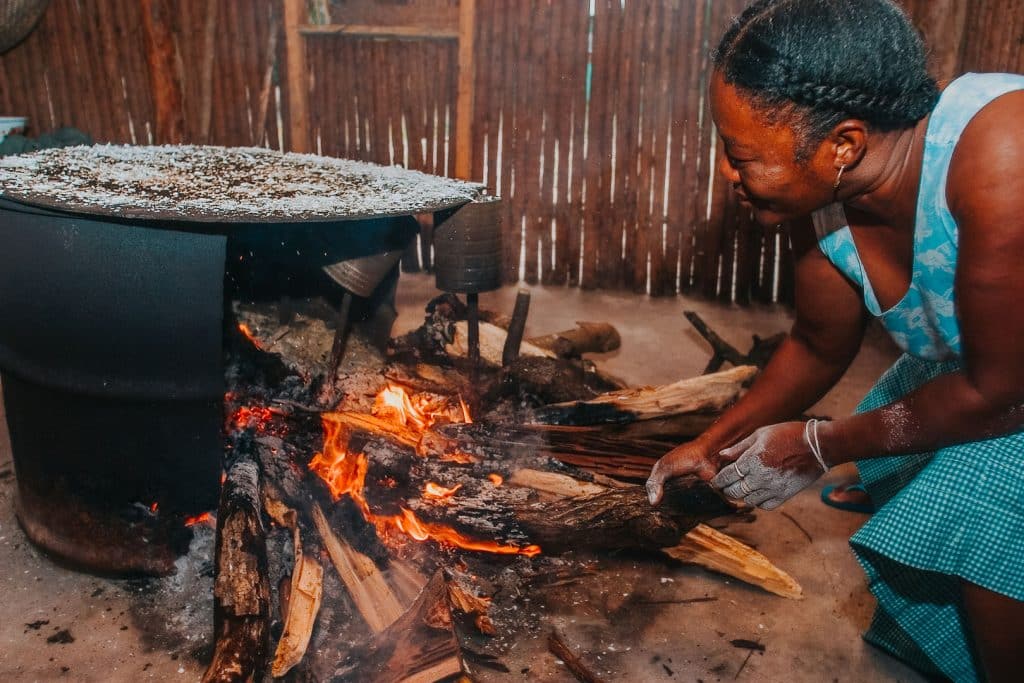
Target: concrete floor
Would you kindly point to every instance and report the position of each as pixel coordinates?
(58, 625)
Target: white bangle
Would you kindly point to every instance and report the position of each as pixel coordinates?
(811, 437)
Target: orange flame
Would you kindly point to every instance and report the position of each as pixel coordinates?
(345, 474)
(419, 530)
(244, 329)
(495, 478)
(418, 411)
(439, 493)
(205, 518)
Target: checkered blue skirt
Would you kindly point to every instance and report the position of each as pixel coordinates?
(942, 517)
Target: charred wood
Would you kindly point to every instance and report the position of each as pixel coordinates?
(622, 518)
(702, 545)
(516, 327)
(759, 355)
(553, 380)
(706, 392)
(420, 647)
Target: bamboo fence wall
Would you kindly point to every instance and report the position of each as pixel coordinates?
(588, 118)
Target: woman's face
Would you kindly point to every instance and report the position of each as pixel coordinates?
(760, 160)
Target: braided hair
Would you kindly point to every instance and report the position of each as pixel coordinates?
(826, 60)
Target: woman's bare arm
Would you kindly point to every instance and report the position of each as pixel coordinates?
(826, 335)
(985, 191)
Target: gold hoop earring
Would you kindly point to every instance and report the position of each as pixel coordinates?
(839, 176)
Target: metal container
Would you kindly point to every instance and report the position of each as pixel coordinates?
(363, 274)
(467, 248)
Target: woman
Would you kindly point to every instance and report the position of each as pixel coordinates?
(905, 203)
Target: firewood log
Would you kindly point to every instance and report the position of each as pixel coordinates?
(492, 344)
(621, 518)
(585, 338)
(702, 545)
(241, 592)
(706, 392)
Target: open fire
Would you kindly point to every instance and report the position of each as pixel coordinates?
(344, 472)
(418, 508)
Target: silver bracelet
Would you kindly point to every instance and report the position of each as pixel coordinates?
(811, 437)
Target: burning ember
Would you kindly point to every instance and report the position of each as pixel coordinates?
(255, 417)
(496, 478)
(204, 518)
(344, 472)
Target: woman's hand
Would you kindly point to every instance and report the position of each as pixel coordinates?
(768, 467)
(688, 458)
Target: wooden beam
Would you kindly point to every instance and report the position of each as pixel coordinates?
(296, 16)
(464, 108)
(382, 32)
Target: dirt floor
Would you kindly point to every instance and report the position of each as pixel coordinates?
(632, 621)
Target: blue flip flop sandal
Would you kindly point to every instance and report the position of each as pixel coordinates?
(864, 508)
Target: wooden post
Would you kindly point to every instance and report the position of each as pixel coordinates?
(942, 22)
(467, 76)
(297, 83)
(516, 327)
(160, 58)
(206, 72)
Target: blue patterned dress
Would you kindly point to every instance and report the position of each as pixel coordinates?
(956, 513)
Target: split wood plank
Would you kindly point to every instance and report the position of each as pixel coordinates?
(375, 425)
(369, 590)
(719, 552)
(304, 592)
